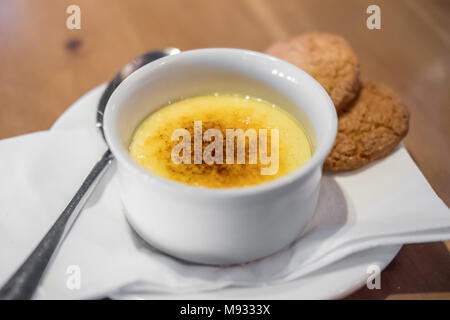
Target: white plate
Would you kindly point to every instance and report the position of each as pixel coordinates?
(332, 282)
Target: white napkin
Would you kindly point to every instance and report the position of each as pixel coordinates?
(389, 202)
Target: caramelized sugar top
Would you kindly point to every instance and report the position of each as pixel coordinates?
(152, 144)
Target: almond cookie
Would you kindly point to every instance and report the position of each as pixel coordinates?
(370, 129)
(328, 58)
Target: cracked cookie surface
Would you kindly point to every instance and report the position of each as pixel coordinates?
(370, 129)
(328, 58)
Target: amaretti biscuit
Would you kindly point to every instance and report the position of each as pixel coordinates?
(370, 129)
(326, 57)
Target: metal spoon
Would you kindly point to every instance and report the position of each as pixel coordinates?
(25, 280)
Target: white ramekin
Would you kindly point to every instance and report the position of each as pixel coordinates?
(219, 226)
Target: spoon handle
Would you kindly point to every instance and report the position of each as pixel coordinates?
(25, 280)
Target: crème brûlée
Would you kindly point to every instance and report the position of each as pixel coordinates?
(152, 144)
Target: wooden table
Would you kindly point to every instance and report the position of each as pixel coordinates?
(45, 67)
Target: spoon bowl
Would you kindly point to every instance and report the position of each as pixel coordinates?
(128, 69)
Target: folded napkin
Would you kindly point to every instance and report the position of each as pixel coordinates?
(387, 203)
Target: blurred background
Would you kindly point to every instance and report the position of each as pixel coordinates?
(45, 67)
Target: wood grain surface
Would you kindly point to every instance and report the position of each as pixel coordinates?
(45, 67)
